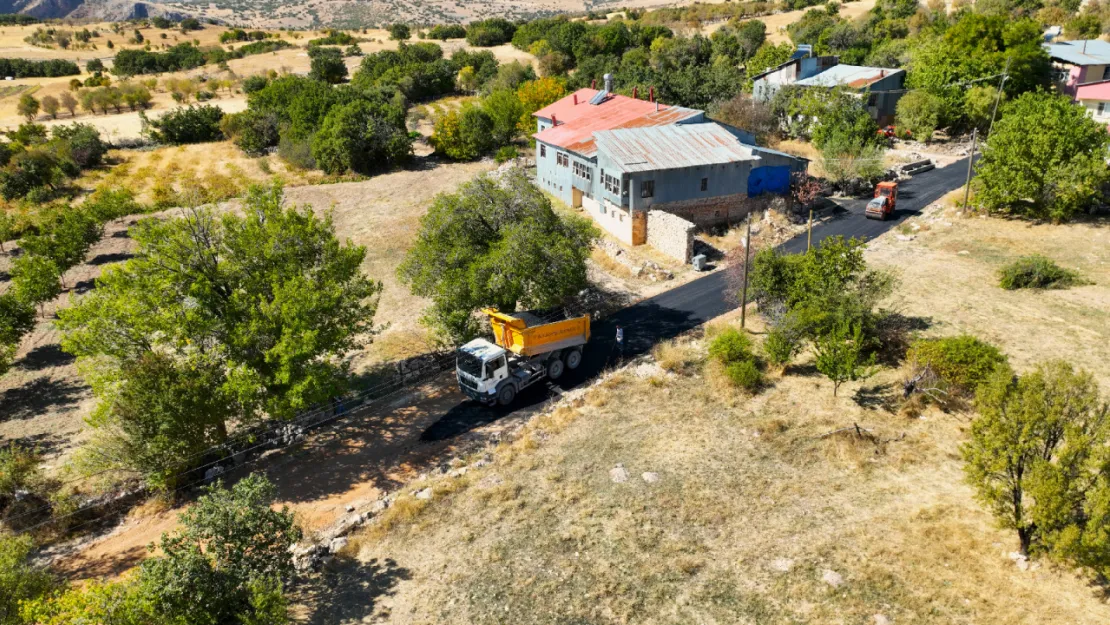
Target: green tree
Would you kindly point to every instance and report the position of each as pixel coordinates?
(399, 32)
(1083, 27)
(94, 66)
(271, 298)
(979, 104)
(35, 279)
(360, 137)
(7, 228)
(191, 124)
(919, 112)
(504, 110)
(27, 106)
(1037, 459)
(327, 66)
(1044, 159)
(768, 55)
(840, 354)
(494, 244)
(20, 580)
(463, 135)
(29, 170)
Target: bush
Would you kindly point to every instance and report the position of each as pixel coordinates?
(254, 83)
(1036, 272)
(491, 32)
(194, 124)
(506, 153)
(463, 135)
(27, 171)
(781, 345)
(399, 32)
(920, 112)
(20, 581)
(444, 32)
(731, 346)
(19, 470)
(81, 143)
(745, 374)
(252, 131)
(963, 362)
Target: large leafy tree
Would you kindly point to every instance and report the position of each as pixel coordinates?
(1038, 460)
(362, 137)
(263, 305)
(496, 244)
(20, 580)
(1045, 159)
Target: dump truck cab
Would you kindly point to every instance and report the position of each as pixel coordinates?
(528, 349)
(883, 204)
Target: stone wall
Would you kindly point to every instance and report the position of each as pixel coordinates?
(670, 234)
(716, 211)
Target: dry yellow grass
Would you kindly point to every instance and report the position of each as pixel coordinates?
(751, 509)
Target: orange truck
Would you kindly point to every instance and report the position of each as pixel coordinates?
(883, 204)
(526, 349)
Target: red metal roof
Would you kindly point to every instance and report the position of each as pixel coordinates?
(576, 123)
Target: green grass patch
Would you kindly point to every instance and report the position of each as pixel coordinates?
(1037, 272)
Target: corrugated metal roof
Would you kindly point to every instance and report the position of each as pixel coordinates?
(578, 123)
(849, 75)
(672, 147)
(1088, 52)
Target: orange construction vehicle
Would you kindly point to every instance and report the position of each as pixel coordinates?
(883, 205)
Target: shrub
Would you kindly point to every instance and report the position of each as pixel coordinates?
(506, 153)
(781, 345)
(463, 135)
(19, 470)
(731, 346)
(82, 143)
(745, 374)
(962, 361)
(254, 83)
(920, 113)
(1036, 272)
(193, 124)
(27, 171)
(444, 32)
(400, 32)
(252, 131)
(490, 32)
(20, 581)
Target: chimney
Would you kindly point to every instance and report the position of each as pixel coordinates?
(576, 99)
(554, 122)
(651, 94)
(608, 82)
(593, 84)
(635, 93)
(882, 73)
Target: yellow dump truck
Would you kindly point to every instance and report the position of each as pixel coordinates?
(528, 349)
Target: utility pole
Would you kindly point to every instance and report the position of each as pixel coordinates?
(747, 268)
(990, 127)
(809, 229)
(970, 160)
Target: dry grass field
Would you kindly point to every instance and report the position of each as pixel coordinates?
(662, 496)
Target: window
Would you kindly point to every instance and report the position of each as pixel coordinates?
(612, 184)
(705, 184)
(871, 99)
(647, 188)
(1106, 73)
(583, 171)
(624, 186)
(543, 151)
(562, 159)
(1101, 108)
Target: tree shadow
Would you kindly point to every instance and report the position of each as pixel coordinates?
(45, 443)
(121, 234)
(84, 286)
(879, 396)
(349, 591)
(115, 257)
(43, 356)
(29, 400)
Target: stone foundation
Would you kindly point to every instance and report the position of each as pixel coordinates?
(717, 211)
(671, 235)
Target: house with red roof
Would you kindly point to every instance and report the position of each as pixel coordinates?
(621, 158)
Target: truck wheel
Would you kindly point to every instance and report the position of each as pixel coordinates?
(574, 358)
(555, 368)
(506, 395)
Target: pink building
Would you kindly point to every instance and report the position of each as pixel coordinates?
(1095, 97)
(1079, 63)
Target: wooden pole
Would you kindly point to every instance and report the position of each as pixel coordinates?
(970, 160)
(809, 229)
(747, 268)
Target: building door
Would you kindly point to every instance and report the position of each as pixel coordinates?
(575, 197)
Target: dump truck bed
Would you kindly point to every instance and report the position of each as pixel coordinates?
(526, 334)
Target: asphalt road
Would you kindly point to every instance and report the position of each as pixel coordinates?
(685, 307)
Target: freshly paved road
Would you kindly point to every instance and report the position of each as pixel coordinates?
(685, 307)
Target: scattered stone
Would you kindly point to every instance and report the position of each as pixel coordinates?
(650, 477)
(350, 508)
(903, 237)
(306, 556)
(782, 565)
(490, 481)
(459, 472)
(484, 461)
(963, 253)
(881, 619)
(378, 506)
(832, 578)
(337, 545)
(618, 474)
(424, 494)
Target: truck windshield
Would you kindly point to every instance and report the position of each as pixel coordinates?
(469, 364)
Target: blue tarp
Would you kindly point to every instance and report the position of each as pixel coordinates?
(769, 180)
